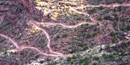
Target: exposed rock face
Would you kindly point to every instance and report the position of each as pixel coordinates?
(29, 4)
(112, 17)
(20, 6)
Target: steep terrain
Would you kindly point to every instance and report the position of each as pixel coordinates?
(86, 32)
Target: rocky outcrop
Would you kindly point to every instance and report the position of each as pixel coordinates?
(14, 8)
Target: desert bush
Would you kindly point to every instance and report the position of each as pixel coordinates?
(119, 8)
(96, 58)
(22, 52)
(105, 56)
(43, 40)
(69, 58)
(53, 63)
(41, 62)
(86, 62)
(112, 33)
(74, 57)
(115, 23)
(64, 35)
(95, 33)
(99, 18)
(107, 17)
(114, 40)
(128, 27)
(101, 7)
(111, 56)
(81, 61)
(37, 56)
(124, 44)
(88, 35)
(93, 10)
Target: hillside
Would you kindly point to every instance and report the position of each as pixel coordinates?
(65, 32)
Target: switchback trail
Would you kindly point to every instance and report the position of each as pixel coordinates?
(48, 37)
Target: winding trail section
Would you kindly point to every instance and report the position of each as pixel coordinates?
(14, 43)
(65, 26)
(74, 9)
(23, 47)
(48, 37)
(38, 51)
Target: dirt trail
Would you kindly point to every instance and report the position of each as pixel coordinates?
(65, 26)
(14, 43)
(23, 47)
(104, 5)
(38, 51)
(48, 37)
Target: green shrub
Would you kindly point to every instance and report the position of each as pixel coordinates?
(58, 36)
(95, 33)
(53, 63)
(72, 62)
(37, 56)
(5, 52)
(79, 18)
(115, 23)
(81, 44)
(79, 34)
(128, 27)
(22, 52)
(81, 61)
(114, 40)
(73, 50)
(86, 58)
(115, 14)
(119, 1)
(96, 58)
(123, 63)
(112, 33)
(105, 56)
(117, 17)
(69, 59)
(95, 29)
(114, 10)
(101, 7)
(74, 57)
(43, 40)
(119, 8)
(86, 62)
(124, 44)
(85, 47)
(92, 44)
(93, 10)
(100, 64)
(100, 50)
(64, 35)
(78, 55)
(41, 62)
(107, 17)
(99, 18)
(88, 35)
(116, 53)
(111, 56)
